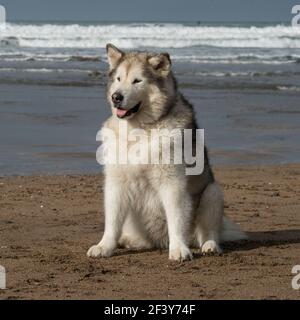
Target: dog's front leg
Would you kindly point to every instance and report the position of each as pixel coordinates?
(177, 207)
(115, 213)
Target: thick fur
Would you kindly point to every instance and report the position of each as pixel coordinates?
(158, 206)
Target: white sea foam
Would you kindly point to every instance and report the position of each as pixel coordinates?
(223, 58)
(267, 58)
(25, 56)
(44, 70)
(288, 88)
(150, 35)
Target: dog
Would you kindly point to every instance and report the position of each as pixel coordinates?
(153, 205)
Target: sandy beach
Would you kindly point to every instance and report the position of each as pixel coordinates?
(48, 222)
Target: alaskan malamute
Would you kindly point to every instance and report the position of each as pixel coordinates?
(157, 205)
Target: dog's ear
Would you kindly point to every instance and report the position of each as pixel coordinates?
(161, 63)
(113, 54)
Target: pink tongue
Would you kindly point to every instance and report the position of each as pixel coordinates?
(121, 112)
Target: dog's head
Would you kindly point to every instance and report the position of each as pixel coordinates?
(141, 84)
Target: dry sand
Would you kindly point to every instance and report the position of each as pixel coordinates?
(48, 223)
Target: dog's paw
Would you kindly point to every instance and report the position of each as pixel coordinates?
(180, 253)
(211, 247)
(99, 251)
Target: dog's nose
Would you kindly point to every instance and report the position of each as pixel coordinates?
(117, 97)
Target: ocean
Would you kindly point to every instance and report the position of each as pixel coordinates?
(243, 80)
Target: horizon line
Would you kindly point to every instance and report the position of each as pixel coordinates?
(143, 21)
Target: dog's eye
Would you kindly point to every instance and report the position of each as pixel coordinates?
(136, 81)
(119, 79)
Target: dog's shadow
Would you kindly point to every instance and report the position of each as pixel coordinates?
(264, 239)
(255, 240)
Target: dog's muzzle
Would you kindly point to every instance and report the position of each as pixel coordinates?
(123, 113)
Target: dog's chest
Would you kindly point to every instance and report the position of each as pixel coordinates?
(145, 204)
(150, 212)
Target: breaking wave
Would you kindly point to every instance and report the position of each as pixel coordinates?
(150, 35)
(288, 88)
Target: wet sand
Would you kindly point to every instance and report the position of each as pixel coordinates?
(46, 129)
(48, 223)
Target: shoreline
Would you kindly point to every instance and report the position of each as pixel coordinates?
(48, 223)
(99, 174)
